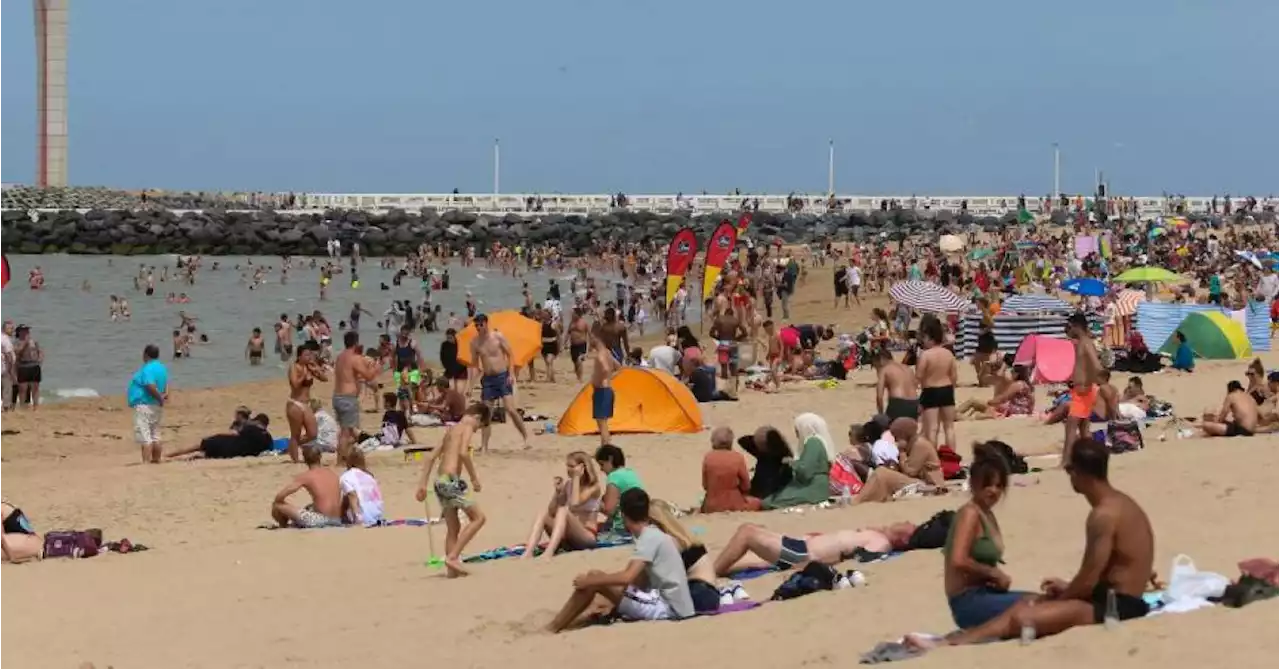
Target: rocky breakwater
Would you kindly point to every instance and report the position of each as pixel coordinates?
(396, 232)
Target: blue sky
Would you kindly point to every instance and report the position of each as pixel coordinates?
(657, 95)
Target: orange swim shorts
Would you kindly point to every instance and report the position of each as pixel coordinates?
(1082, 401)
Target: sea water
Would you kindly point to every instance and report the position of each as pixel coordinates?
(86, 354)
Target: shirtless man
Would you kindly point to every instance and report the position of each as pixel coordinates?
(284, 338)
(1108, 405)
(325, 509)
(1084, 384)
(351, 371)
(253, 349)
(893, 378)
(603, 367)
(614, 335)
(771, 549)
(937, 373)
(1118, 554)
(495, 364)
(774, 348)
(454, 454)
(727, 330)
(1238, 416)
(577, 336)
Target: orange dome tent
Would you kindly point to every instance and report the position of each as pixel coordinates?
(647, 401)
(525, 335)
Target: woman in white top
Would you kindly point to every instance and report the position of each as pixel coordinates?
(361, 496)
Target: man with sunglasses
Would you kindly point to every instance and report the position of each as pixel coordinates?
(491, 355)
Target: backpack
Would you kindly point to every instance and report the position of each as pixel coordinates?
(814, 577)
(932, 533)
(70, 544)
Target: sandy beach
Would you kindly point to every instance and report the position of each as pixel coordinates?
(214, 591)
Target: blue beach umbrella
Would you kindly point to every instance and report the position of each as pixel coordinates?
(1087, 287)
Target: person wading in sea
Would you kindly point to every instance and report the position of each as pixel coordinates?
(492, 358)
(577, 336)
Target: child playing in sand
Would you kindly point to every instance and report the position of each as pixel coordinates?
(453, 454)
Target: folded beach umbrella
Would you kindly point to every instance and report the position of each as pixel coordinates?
(1127, 301)
(1085, 286)
(1034, 304)
(950, 243)
(524, 334)
(1212, 335)
(1147, 275)
(927, 297)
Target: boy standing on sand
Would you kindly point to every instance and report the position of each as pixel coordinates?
(451, 489)
(603, 367)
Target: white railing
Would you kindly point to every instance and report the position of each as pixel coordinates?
(534, 204)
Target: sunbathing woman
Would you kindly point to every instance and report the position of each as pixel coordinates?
(1015, 398)
(977, 589)
(774, 550)
(302, 421)
(572, 516)
(19, 540)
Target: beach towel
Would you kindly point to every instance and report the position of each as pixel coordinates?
(517, 550)
(396, 522)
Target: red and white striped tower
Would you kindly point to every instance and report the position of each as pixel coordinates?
(51, 92)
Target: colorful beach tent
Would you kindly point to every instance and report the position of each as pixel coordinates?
(525, 335)
(1050, 358)
(1212, 335)
(646, 400)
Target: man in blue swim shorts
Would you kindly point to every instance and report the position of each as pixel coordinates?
(603, 367)
(491, 356)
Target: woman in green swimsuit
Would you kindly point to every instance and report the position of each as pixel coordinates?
(977, 589)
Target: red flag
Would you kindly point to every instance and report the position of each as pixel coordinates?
(743, 221)
(719, 248)
(684, 246)
(4, 271)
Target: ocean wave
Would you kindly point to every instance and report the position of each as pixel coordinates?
(71, 393)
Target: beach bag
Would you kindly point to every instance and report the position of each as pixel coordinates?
(69, 544)
(932, 533)
(842, 476)
(949, 461)
(814, 577)
(1187, 582)
(1124, 436)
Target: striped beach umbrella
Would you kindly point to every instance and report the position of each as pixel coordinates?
(1034, 304)
(1127, 301)
(927, 297)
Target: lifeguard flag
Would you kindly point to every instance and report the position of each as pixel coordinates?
(743, 221)
(684, 246)
(719, 248)
(4, 271)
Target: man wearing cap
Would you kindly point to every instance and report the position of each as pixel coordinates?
(491, 356)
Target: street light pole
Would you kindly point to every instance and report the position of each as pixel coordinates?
(1057, 173)
(831, 167)
(497, 165)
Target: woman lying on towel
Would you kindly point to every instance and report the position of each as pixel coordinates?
(573, 514)
(773, 550)
(19, 539)
(1012, 396)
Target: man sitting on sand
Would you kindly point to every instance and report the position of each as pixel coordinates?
(653, 585)
(774, 550)
(1238, 416)
(1118, 554)
(325, 509)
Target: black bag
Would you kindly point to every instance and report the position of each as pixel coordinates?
(932, 533)
(814, 577)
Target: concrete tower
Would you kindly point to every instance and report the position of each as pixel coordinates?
(51, 92)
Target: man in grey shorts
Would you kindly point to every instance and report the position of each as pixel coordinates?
(350, 370)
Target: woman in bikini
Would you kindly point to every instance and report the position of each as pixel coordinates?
(937, 373)
(302, 421)
(1010, 397)
(977, 588)
(19, 539)
(573, 514)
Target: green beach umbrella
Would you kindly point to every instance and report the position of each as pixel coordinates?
(1147, 275)
(1025, 216)
(980, 254)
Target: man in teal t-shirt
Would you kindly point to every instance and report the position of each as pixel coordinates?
(618, 479)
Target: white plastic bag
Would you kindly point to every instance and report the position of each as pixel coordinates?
(1188, 583)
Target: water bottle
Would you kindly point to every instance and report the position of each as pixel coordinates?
(1028, 626)
(845, 497)
(1111, 619)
